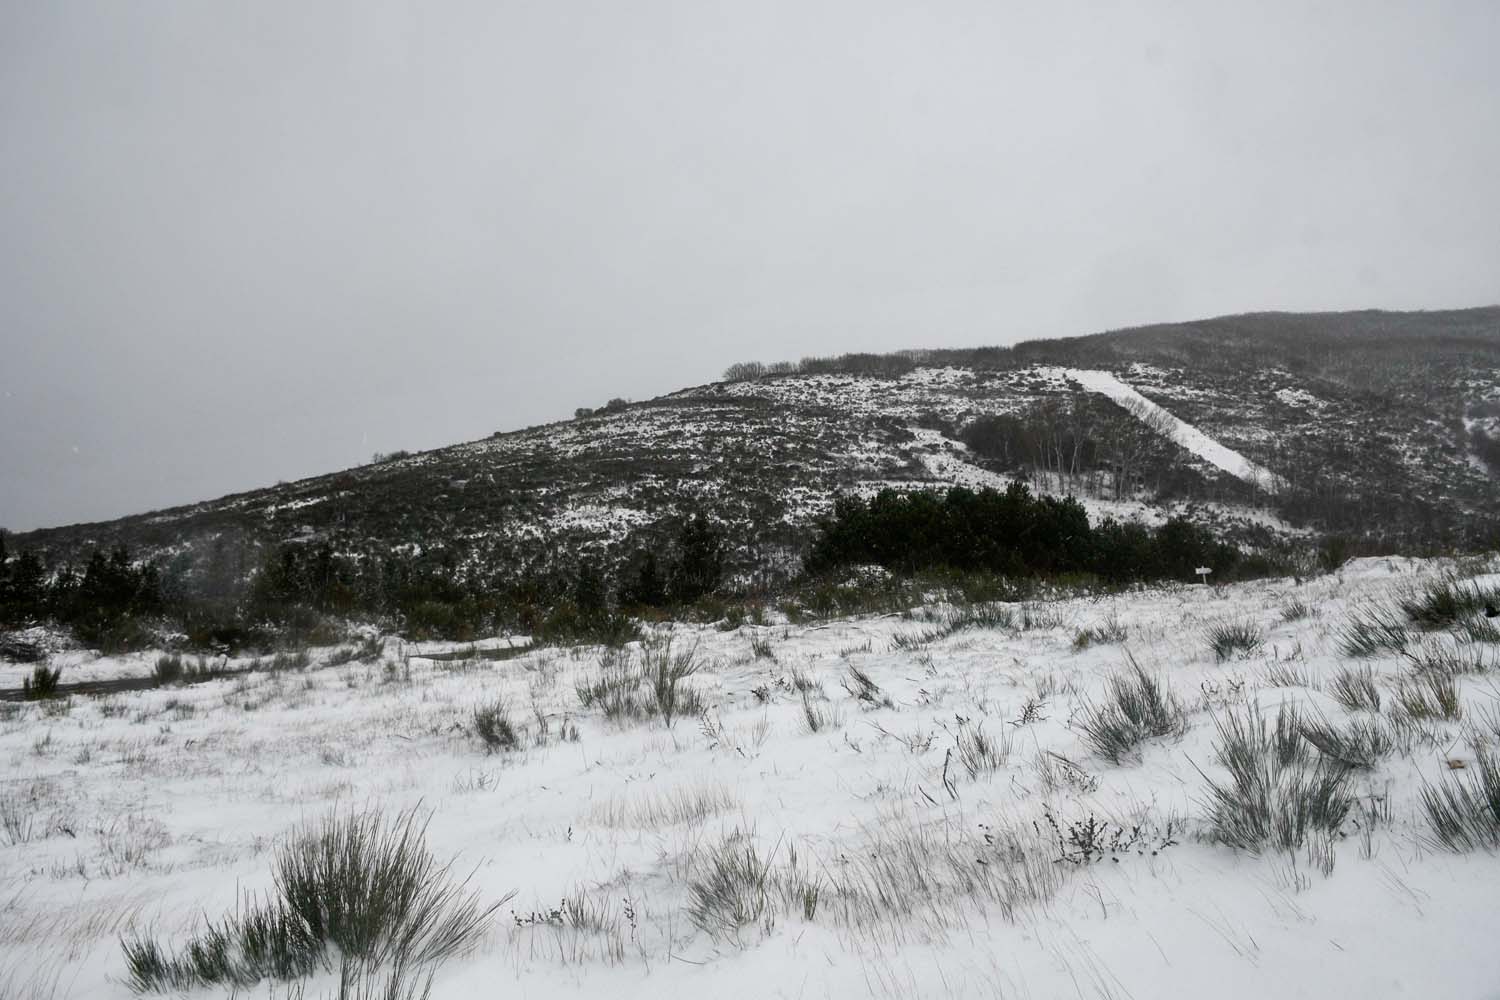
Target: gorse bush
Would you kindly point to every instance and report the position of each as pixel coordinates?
(353, 886)
(1138, 707)
(1463, 810)
(1275, 795)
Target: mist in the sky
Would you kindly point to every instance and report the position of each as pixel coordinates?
(256, 241)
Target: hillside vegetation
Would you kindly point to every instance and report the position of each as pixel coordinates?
(1378, 431)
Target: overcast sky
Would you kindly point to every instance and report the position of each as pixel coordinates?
(244, 242)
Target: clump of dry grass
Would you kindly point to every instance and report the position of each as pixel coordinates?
(1275, 796)
(1356, 690)
(1138, 707)
(686, 805)
(353, 885)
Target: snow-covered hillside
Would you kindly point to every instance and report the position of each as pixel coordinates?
(922, 841)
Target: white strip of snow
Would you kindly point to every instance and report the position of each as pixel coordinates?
(1180, 431)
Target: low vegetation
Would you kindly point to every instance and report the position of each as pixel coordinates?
(352, 886)
(1356, 690)
(42, 683)
(1231, 639)
(1107, 632)
(1275, 795)
(1463, 810)
(1138, 707)
(665, 670)
(1010, 532)
(492, 725)
(1358, 744)
(1372, 630)
(730, 887)
(1443, 602)
(634, 685)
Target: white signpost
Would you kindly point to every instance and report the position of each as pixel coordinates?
(1203, 571)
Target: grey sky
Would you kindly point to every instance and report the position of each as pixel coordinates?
(256, 241)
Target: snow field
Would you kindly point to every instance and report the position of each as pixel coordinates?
(890, 868)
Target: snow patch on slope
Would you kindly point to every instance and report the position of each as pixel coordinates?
(1180, 431)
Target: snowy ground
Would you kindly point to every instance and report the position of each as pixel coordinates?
(155, 808)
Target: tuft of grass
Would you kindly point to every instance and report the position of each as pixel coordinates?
(1450, 659)
(1483, 727)
(729, 888)
(862, 687)
(1477, 628)
(1372, 630)
(908, 874)
(804, 683)
(1109, 631)
(42, 684)
(1359, 745)
(1430, 696)
(1230, 639)
(353, 885)
(983, 615)
(688, 805)
(1463, 810)
(20, 812)
(1445, 601)
(297, 659)
(1295, 610)
(1288, 675)
(616, 688)
(761, 648)
(664, 671)
(1039, 616)
(979, 752)
(168, 669)
(491, 723)
(815, 717)
(911, 642)
(1275, 795)
(1138, 707)
(1356, 690)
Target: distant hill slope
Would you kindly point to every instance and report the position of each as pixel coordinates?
(1377, 423)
